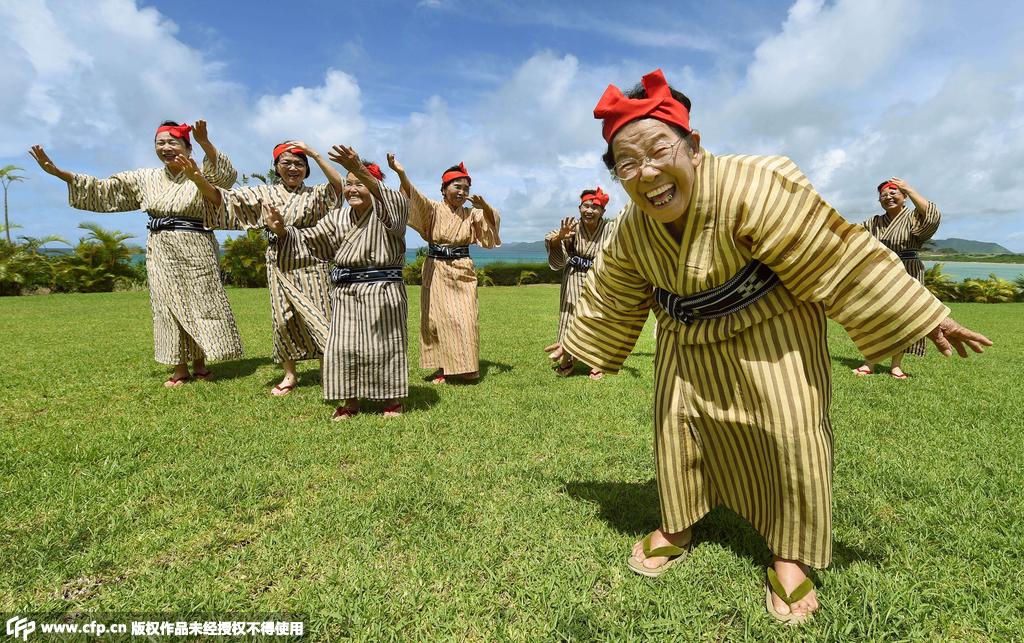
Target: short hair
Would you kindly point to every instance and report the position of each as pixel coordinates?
(187, 143)
(636, 92)
(302, 156)
(586, 192)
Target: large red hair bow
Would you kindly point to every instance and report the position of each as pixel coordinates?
(616, 110)
(460, 173)
(177, 131)
(374, 171)
(599, 197)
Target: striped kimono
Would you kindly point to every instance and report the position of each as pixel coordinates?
(449, 328)
(908, 230)
(191, 315)
(742, 401)
(300, 289)
(582, 244)
(366, 351)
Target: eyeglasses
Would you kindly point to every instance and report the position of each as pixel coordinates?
(292, 164)
(627, 169)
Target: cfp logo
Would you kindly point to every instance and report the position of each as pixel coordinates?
(18, 626)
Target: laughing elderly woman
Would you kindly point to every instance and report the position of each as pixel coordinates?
(741, 261)
(192, 320)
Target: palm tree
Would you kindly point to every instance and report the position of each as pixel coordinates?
(8, 176)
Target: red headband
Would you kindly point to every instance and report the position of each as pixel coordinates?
(460, 173)
(374, 170)
(888, 184)
(177, 131)
(616, 110)
(599, 197)
(285, 147)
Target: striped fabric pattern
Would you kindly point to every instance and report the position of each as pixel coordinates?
(908, 230)
(449, 326)
(300, 289)
(741, 402)
(191, 315)
(582, 244)
(366, 351)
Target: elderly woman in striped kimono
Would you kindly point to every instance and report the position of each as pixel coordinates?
(365, 356)
(449, 329)
(741, 261)
(192, 320)
(300, 304)
(903, 231)
(572, 249)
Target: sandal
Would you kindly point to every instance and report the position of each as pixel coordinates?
(596, 374)
(899, 376)
(862, 371)
(344, 413)
(775, 586)
(394, 410)
(206, 376)
(281, 391)
(675, 555)
(175, 382)
(564, 371)
(439, 379)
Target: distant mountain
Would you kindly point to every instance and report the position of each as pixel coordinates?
(967, 246)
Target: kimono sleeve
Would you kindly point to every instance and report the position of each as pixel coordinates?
(485, 233)
(556, 251)
(121, 192)
(322, 200)
(239, 209)
(613, 306)
(392, 209)
(926, 223)
(319, 242)
(222, 174)
(421, 213)
(820, 257)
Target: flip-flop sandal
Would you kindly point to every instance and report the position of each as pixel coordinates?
(206, 376)
(564, 371)
(440, 379)
(863, 371)
(344, 413)
(175, 382)
(284, 390)
(394, 410)
(801, 590)
(596, 374)
(675, 555)
(900, 376)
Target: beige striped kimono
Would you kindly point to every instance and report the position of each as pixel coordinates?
(908, 230)
(366, 352)
(191, 315)
(300, 289)
(449, 328)
(741, 402)
(583, 244)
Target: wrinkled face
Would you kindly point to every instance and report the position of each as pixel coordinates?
(357, 195)
(456, 193)
(663, 187)
(590, 212)
(291, 168)
(891, 199)
(167, 147)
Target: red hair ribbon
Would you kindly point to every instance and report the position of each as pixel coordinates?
(616, 110)
(374, 171)
(460, 173)
(888, 184)
(177, 131)
(285, 147)
(599, 197)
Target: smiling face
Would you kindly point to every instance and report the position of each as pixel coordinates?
(291, 168)
(662, 188)
(891, 199)
(357, 195)
(167, 147)
(456, 192)
(590, 212)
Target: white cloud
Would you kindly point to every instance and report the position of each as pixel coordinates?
(321, 116)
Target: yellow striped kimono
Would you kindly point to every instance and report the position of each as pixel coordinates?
(449, 325)
(366, 352)
(191, 315)
(582, 244)
(300, 289)
(908, 230)
(741, 401)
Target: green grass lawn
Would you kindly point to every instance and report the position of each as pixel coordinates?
(500, 510)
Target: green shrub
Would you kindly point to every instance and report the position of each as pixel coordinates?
(100, 262)
(244, 260)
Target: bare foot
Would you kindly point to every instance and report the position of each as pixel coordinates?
(596, 374)
(660, 539)
(179, 377)
(350, 409)
(791, 574)
(393, 409)
(898, 373)
(284, 387)
(863, 370)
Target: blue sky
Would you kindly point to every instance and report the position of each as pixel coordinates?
(854, 92)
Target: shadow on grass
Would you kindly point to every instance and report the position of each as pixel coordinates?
(849, 362)
(485, 368)
(237, 368)
(631, 508)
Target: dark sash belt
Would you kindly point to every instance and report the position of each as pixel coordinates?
(579, 263)
(752, 282)
(907, 255)
(180, 224)
(447, 253)
(341, 275)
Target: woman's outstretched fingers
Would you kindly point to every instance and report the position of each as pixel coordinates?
(950, 335)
